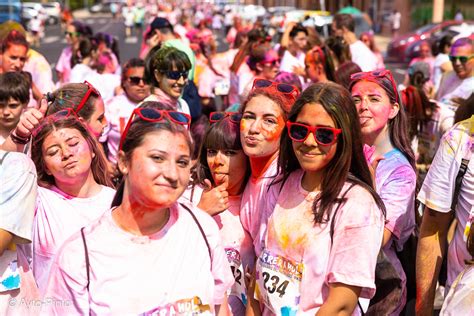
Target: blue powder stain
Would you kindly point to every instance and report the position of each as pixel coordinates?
(244, 299)
(12, 282)
(287, 311)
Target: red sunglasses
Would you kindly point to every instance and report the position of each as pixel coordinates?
(376, 74)
(154, 115)
(323, 135)
(234, 117)
(62, 114)
(284, 88)
(85, 98)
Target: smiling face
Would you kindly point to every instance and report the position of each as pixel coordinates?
(159, 170)
(261, 126)
(374, 108)
(67, 155)
(228, 167)
(463, 70)
(173, 88)
(313, 157)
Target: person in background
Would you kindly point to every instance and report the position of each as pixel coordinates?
(455, 150)
(36, 28)
(83, 60)
(442, 64)
(425, 56)
(458, 83)
(119, 109)
(339, 50)
(368, 39)
(18, 194)
(344, 72)
(294, 42)
(167, 70)
(14, 97)
(75, 32)
(105, 77)
(343, 25)
(395, 20)
(319, 65)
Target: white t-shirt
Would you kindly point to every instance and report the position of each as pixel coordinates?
(288, 61)
(104, 83)
(117, 112)
(80, 72)
(363, 56)
(438, 62)
(460, 298)
(453, 87)
(18, 191)
(438, 187)
(58, 216)
(137, 274)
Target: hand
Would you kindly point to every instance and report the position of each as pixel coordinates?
(30, 119)
(214, 200)
(300, 71)
(372, 160)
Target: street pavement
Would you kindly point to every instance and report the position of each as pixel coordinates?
(54, 41)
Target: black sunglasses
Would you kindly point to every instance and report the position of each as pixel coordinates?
(136, 80)
(175, 75)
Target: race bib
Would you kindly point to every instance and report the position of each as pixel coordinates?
(188, 307)
(278, 283)
(238, 289)
(222, 87)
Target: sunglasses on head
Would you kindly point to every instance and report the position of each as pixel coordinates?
(462, 59)
(234, 117)
(376, 74)
(71, 33)
(62, 114)
(323, 135)
(154, 115)
(85, 98)
(284, 88)
(136, 80)
(176, 75)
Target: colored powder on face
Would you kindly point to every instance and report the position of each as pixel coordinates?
(273, 133)
(243, 126)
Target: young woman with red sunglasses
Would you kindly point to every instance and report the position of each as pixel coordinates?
(388, 150)
(149, 254)
(322, 223)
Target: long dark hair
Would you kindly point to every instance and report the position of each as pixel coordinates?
(348, 164)
(419, 109)
(99, 166)
(222, 135)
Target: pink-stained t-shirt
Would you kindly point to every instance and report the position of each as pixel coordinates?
(395, 182)
(210, 83)
(117, 112)
(298, 260)
(132, 274)
(64, 64)
(255, 198)
(58, 216)
(437, 190)
(238, 82)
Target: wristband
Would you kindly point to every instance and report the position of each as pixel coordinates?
(19, 140)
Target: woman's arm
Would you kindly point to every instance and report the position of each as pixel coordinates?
(341, 301)
(223, 309)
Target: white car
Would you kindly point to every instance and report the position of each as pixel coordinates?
(32, 9)
(53, 10)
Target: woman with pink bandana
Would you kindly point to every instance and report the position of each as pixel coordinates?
(385, 133)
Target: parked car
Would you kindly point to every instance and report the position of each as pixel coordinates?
(465, 29)
(104, 7)
(53, 10)
(32, 9)
(10, 10)
(398, 49)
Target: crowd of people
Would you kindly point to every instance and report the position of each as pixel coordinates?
(288, 175)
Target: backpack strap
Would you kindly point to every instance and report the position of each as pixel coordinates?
(200, 229)
(3, 158)
(458, 182)
(86, 254)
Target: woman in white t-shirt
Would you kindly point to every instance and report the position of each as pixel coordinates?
(442, 64)
(84, 57)
(149, 254)
(321, 215)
